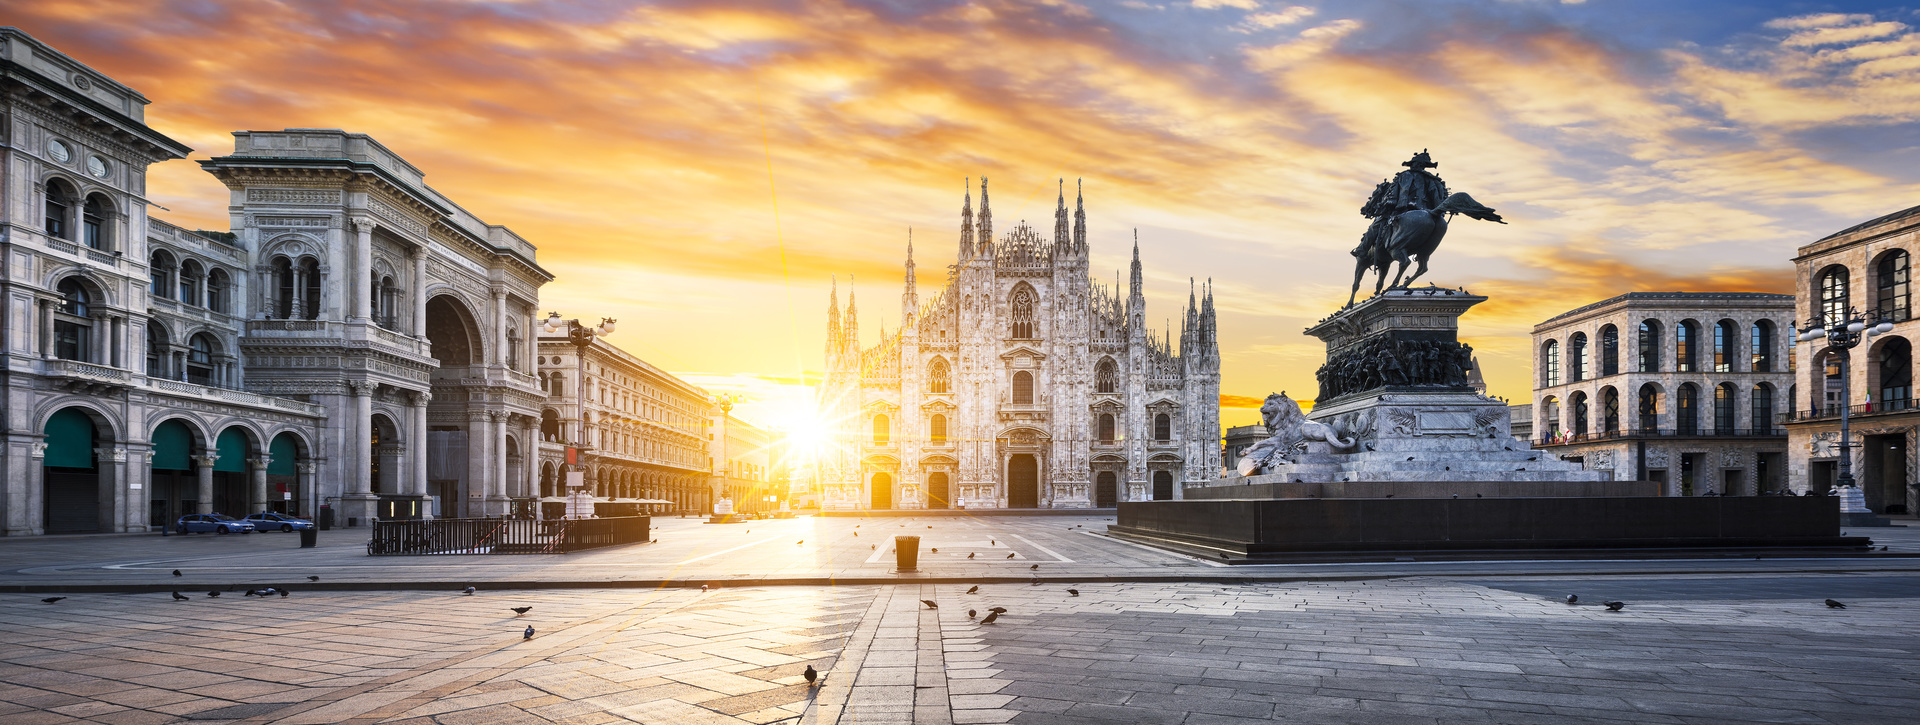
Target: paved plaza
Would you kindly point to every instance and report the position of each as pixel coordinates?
(1699, 641)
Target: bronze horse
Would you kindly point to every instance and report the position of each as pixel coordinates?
(1413, 235)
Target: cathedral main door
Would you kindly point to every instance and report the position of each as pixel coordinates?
(882, 491)
(937, 490)
(1023, 482)
(1104, 493)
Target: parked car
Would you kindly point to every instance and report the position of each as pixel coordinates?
(217, 523)
(278, 522)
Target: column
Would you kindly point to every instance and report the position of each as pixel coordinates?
(360, 445)
(499, 328)
(257, 470)
(417, 480)
(119, 335)
(309, 495)
(112, 462)
(204, 469)
(474, 490)
(420, 292)
(46, 328)
(497, 453)
(140, 498)
(358, 273)
(25, 520)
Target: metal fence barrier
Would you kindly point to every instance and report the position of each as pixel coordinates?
(403, 537)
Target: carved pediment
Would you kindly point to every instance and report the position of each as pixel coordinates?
(1107, 406)
(1023, 351)
(938, 406)
(881, 406)
(938, 460)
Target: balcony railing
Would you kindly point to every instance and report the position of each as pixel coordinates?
(87, 371)
(1833, 411)
(1697, 432)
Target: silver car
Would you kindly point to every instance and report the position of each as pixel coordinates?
(217, 523)
(278, 522)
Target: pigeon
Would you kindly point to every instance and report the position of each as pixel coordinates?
(929, 527)
(469, 591)
(178, 597)
(1456, 495)
(1615, 606)
(520, 610)
(874, 547)
(1009, 556)
(176, 572)
(1831, 604)
(1389, 495)
(703, 587)
(1074, 592)
(992, 542)
(313, 578)
(797, 543)
(527, 634)
(972, 613)
(252, 593)
(970, 554)
(975, 589)
(930, 604)
(1883, 548)
(856, 535)
(990, 617)
(283, 593)
(811, 674)
(1035, 567)
(268, 591)
(51, 600)
(1409, 458)
(1477, 496)
(997, 610)
(213, 594)
(936, 551)
(1535, 458)
(1522, 468)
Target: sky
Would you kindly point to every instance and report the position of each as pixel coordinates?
(702, 170)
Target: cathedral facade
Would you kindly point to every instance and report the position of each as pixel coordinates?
(1022, 383)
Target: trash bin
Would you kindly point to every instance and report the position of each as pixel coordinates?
(906, 552)
(309, 537)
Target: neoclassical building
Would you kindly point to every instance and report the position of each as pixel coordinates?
(1023, 383)
(648, 432)
(1683, 388)
(1865, 268)
(357, 341)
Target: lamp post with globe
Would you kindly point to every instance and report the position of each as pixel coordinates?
(1844, 335)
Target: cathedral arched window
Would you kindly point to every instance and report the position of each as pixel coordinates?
(881, 430)
(938, 428)
(1106, 376)
(939, 376)
(1023, 388)
(1163, 427)
(1106, 427)
(1022, 312)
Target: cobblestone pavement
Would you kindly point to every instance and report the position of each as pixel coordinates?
(803, 550)
(1685, 650)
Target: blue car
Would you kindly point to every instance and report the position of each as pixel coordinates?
(216, 523)
(278, 522)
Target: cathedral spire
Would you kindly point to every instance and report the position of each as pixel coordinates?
(1135, 289)
(966, 221)
(1079, 219)
(909, 299)
(850, 329)
(1062, 241)
(833, 314)
(986, 221)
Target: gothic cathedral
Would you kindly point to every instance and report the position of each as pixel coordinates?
(1023, 383)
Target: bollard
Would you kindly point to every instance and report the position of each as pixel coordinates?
(906, 552)
(309, 537)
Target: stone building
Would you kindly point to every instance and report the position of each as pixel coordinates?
(746, 477)
(357, 341)
(1682, 388)
(647, 431)
(1866, 267)
(1023, 383)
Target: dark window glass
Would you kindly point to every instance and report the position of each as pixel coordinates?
(1895, 296)
(1162, 427)
(1609, 350)
(1833, 295)
(1760, 344)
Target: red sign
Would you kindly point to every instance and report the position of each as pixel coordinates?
(573, 456)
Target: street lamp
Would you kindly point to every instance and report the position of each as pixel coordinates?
(582, 338)
(722, 466)
(1844, 335)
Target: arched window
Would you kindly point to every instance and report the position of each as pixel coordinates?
(1896, 375)
(93, 222)
(1162, 427)
(283, 288)
(1649, 344)
(1578, 405)
(160, 271)
(1760, 347)
(1550, 364)
(1762, 409)
(1106, 427)
(1550, 415)
(73, 322)
(938, 428)
(550, 425)
(1895, 291)
(1023, 388)
(1609, 350)
(59, 210)
(156, 350)
(191, 279)
(1577, 357)
(1022, 312)
(1649, 408)
(1723, 402)
(219, 290)
(1106, 376)
(310, 291)
(1830, 368)
(1725, 336)
(880, 430)
(1610, 410)
(939, 376)
(1833, 294)
(200, 360)
(1686, 410)
(1686, 336)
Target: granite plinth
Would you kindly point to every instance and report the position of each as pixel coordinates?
(1244, 531)
(1276, 486)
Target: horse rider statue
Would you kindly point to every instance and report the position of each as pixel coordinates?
(1410, 213)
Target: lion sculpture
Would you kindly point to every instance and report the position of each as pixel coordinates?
(1289, 432)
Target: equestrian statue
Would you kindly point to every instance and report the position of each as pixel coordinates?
(1410, 213)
